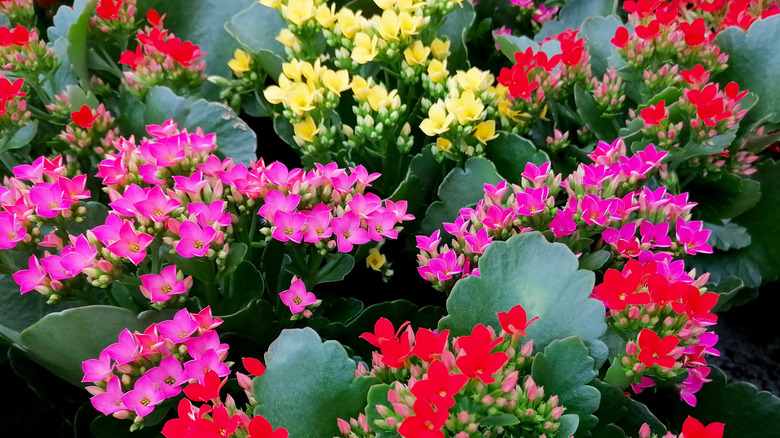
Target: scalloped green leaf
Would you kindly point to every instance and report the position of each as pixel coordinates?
(308, 384)
(456, 26)
(754, 62)
(724, 197)
(727, 236)
(461, 187)
(545, 279)
(61, 341)
(510, 153)
(260, 40)
(759, 261)
(565, 369)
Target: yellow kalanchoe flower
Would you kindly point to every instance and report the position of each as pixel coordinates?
(416, 53)
(388, 25)
(299, 99)
(293, 69)
(361, 87)
(474, 79)
(288, 38)
(378, 97)
(275, 94)
(375, 259)
(298, 11)
(409, 5)
(336, 81)
(485, 131)
(325, 16)
(305, 130)
(385, 4)
(440, 49)
(350, 23)
(443, 145)
(437, 70)
(312, 72)
(438, 120)
(466, 108)
(275, 4)
(365, 48)
(410, 24)
(240, 62)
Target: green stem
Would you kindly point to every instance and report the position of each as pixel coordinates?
(212, 297)
(156, 261)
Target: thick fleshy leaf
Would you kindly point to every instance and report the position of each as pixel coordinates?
(461, 187)
(744, 49)
(260, 40)
(202, 23)
(308, 384)
(724, 197)
(542, 277)
(96, 215)
(602, 127)
(510, 153)
(235, 139)
(759, 261)
(565, 369)
(574, 13)
(598, 31)
(20, 138)
(728, 289)
(61, 341)
(727, 236)
(17, 311)
(72, 23)
(510, 44)
(418, 185)
(456, 26)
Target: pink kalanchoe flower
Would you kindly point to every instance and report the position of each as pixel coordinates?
(29, 279)
(148, 174)
(606, 153)
(399, 208)
(109, 232)
(158, 288)
(317, 224)
(198, 346)
(563, 223)
(651, 156)
(156, 206)
(202, 143)
(125, 350)
(49, 200)
(594, 210)
(498, 217)
(429, 244)
(479, 241)
(125, 203)
(78, 256)
(348, 232)
(634, 167)
(536, 175)
(593, 176)
(697, 377)
(612, 236)
(205, 320)
(208, 361)
(195, 241)
(131, 244)
(655, 235)
(495, 193)
(288, 226)
(296, 297)
(692, 237)
(650, 200)
(180, 328)
(53, 266)
(276, 201)
(113, 170)
(458, 228)
(74, 189)
(443, 267)
(168, 376)
(644, 384)
(110, 401)
(151, 342)
(678, 204)
(381, 224)
(532, 201)
(30, 172)
(11, 230)
(166, 151)
(143, 397)
(98, 370)
(191, 185)
(210, 214)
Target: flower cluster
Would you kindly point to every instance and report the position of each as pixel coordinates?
(692, 428)
(18, 11)
(13, 109)
(328, 207)
(670, 311)
(90, 131)
(162, 59)
(142, 370)
(432, 381)
(113, 15)
(535, 10)
(603, 198)
(24, 53)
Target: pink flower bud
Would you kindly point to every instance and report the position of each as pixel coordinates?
(510, 382)
(344, 426)
(393, 397)
(637, 368)
(553, 401)
(644, 431)
(557, 412)
(527, 349)
(391, 422)
(363, 421)
(462, 434)
(244, 381)
(529, 413)
(633, 313)
(383, 410)
(463, 417)
(631, 348)
(401, 409)
(487, 400)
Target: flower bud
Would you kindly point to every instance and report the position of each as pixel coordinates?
(344, 426)
(644, 431)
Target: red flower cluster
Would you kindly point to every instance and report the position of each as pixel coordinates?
(396, 348)
(8, 91)
(20, 36)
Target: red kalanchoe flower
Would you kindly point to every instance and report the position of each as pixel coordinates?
(696, 76)
(259, 427)
(84, 117)
(155, 19)
(649, 31)
(643, 8)
(254, 366)
(732, 92)
(208, 391)
(383, 332)
(515, 321)
(655, 351)
(694, 32)
(653, 115)
(425, 423)
(479, 362)
(621, 37)
(222, 424)
(109, 9)
(692, 428)
(396, 352)
(428, 345)
(439, 386)
(619, 291)
(697, 305)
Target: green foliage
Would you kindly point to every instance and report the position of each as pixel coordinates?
(17, 311)
(309, 384)
(727, 236)
(510, 153)
(20, 138)
(542, 277)
(565, 369)
(592, 117)
(260, 40)
(461, 187)
(598, 31)
(456, 26)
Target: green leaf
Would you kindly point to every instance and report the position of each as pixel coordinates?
(4, 21)
(598, 31)
(602, 127)
(20, 138)
(760, 261)
(574, 12)
(510, 44)
(417, 187)
(728, 288)
(308, 384)
(694, 149)
(17, 311)
(61, 341)
(456, 26)
(234, 258)
(256, 320)
(544, 278)
(754, 62)
(202, 23)
(335, 269)
(461, 187)
(595, 260)
(77, 37)
(569, 425)
(96, 215)
(565, 369)
(510, 153)
(727, 236)
(725, 197)
(260, 40)
(201, 268)
(637, 415)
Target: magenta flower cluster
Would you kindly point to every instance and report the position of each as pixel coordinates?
(141, 370)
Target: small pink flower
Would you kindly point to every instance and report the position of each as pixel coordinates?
(655, 235)
(697, 377)
(97, 370)
(536, 175)
(111, 400)
(399, 208)
(288, 226)
(532, 201)
(296, 297)
(29, 279)
(109, 232)
(381, 224)
(563, 223)
(205, 320)
(180, 328)
(168, 376)
(498, 217)
(208, 361)
(125, 203)
(156, 206)
(11, 231)
(692, 237)
(78, 256)
(192, 185)
(124, 351)
(131, 244)
(143, 397)
(275, 201)
(443, 267)
(49, 200)
(317, 224)
(211, 214)
(479, 242)
(195, 241)
(158, 288)
(429, 244)
(348, 232)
